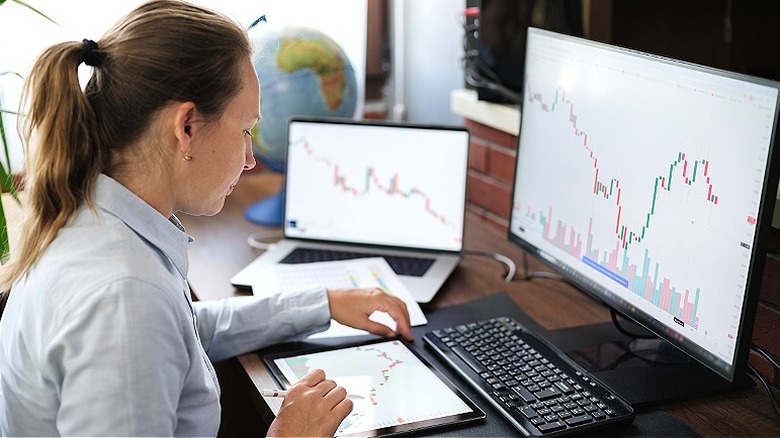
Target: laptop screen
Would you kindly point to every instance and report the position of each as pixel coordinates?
(376, 183)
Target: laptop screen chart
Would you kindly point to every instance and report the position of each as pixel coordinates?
(393, 387)
(381, 185)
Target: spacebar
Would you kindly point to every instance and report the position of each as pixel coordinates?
(466, 357)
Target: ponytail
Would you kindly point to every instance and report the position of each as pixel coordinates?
(164, 51)
(61, 147)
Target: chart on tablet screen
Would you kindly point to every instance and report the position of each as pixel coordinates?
(389, 385)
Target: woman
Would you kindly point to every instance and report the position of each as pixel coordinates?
(99, 336)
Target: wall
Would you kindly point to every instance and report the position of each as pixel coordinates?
(78, 19)
(426, 39)
(491, 170)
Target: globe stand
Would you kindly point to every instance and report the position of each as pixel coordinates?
(268, 212)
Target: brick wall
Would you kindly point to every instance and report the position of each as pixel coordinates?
(491, 169)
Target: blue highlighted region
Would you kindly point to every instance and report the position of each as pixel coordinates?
(615, 277)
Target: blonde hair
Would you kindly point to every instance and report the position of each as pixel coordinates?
(164, 51)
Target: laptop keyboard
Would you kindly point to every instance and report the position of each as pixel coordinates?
(526, 378)
(401, 265)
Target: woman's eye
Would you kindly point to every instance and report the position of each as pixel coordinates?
(248, 132)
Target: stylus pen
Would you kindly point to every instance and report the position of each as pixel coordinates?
(282, 393)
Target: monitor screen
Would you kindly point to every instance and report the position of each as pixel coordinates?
(649, 183)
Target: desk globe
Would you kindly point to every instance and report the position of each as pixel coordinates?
(301, 71)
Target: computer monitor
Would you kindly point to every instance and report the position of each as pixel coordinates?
(649, 183)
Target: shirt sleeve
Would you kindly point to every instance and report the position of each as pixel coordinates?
(120, 361)
(233, 326)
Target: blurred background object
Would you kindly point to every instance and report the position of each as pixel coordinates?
(301, 71)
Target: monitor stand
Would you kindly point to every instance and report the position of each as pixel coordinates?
(643, 371)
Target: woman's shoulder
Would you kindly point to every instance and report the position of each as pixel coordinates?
(99, 252)
(104, 245)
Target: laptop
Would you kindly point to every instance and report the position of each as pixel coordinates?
(373, 188)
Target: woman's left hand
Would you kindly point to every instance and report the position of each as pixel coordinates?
(352, 307)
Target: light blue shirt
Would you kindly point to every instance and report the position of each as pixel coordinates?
(101, 337)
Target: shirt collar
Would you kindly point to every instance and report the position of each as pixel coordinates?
(166, 234)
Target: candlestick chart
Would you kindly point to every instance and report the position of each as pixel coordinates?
(640, 203)
(405, 188)
(643, 278)
(394, 386)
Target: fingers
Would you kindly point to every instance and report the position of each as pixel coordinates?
(341, 406)
(314, 406)
(316, 381)
(313, 377)
(353, 307)
(336, 398)
(396, 308)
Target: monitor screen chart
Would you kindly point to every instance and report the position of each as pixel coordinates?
(380, 185)
(642, 178)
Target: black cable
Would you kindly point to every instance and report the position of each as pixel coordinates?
(768, 356)
(477, 73)
(773, 360)
(621, 329)
(767, 388)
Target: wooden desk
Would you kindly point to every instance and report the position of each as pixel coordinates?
(220, 250)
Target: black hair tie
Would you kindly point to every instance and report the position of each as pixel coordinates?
(91, 55)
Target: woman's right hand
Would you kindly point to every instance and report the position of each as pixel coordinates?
(314, 406)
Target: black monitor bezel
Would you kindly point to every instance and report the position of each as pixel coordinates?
(759, 246)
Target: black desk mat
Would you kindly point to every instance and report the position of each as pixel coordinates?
(648, 422)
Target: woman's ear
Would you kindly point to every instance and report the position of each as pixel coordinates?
(183, 121)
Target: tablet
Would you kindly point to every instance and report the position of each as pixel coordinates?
(394, 390)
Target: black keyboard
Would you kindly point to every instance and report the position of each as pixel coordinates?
(401, 265)
(534, 386)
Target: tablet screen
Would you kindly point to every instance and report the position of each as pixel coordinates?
(393, 389)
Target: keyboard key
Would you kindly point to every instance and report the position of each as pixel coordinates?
(549, 427)
(580, 419)
(524, 394)
(547, 393)
(565, 388)
(528, 411)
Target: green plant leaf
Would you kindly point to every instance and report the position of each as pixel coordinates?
(11, 73)
(5, 245)
(20, 2)
(4, 139)
(6, 178)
